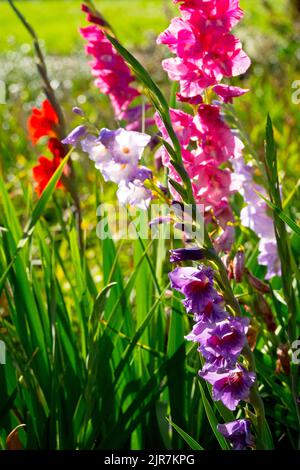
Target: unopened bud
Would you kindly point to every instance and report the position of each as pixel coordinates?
(252, 334)
(263, 308)
(78, 111)
(187, 254)
(239, 266)
(257, 284)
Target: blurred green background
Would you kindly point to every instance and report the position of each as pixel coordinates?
(269, 31)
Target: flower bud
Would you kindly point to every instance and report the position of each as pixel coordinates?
(252, 334)
(257, 283)
(78, 111)
(239, 265)
(264, 309)
(75, 135)
(186, 254)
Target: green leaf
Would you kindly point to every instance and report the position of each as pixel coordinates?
(186, 437)
(290, 222)
(178, 188)
(36, 214)
(212, 419)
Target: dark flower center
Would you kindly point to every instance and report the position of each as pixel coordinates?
(235, 379)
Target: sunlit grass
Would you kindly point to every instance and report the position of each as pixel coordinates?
(57, 22)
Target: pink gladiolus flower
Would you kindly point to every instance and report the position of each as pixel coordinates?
(206, 51)
(112, 75)
(193, 81)
(217, 141)
(219, 53)
(183, 125)
(212, 184)
(223, 55)
(214, 12)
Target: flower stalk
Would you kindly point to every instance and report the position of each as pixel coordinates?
(69, 181)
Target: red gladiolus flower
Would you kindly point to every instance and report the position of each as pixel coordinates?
(43, 172)
(42, 122)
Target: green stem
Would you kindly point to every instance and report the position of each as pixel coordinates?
(42, 69)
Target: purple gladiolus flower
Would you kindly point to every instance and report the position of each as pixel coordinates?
(125, 146)
(116, 154)
(135, 194)
(225, 339)
(255, 216)
(269, 257)
(238, 433)
(218, 364)
(196, 285)
(186, 254)
(213, 312)
(75, 135)
(96, 151)
(230, 386)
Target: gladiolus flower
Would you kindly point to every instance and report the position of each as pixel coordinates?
(218, 142)
(113, 76)
(197, 287)
(224, 13)
(43, 172)
(43, 122)
(255, 216)
(117, 155)
(238, 433)
(225, 339)
(230, 386)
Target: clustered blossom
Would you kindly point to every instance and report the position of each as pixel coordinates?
(44, 123)
(206, 52)
(112, 75)
(205, 49)
(220, 336)
(255, 216)
(117, 154)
